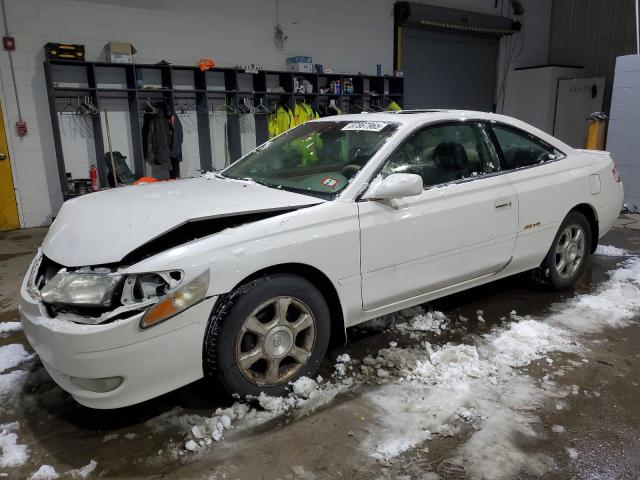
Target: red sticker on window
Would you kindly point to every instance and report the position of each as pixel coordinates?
(330, 182)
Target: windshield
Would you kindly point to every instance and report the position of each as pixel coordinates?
(316, 158)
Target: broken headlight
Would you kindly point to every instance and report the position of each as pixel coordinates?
(177, 301)
(81, 289)
(143, 287)
(96, 296)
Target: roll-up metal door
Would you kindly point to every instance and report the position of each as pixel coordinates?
(448, 70)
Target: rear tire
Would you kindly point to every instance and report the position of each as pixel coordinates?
(266, 334)
(567, 258)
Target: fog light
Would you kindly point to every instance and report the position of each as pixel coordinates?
(99, 385)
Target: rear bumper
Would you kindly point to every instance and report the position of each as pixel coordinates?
(151, 362)
(609, 213)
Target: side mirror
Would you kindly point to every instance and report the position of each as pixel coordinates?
(397, 185)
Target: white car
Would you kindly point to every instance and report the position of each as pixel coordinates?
(245, 275)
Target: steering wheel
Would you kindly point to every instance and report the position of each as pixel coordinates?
(350, 170)
(544, 156)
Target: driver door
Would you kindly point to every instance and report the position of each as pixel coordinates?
(463, 225)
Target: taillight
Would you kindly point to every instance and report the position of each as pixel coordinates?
(616, 175)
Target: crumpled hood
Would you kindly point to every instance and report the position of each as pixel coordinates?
(103, 227)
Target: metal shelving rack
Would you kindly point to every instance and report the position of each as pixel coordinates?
(234, 87)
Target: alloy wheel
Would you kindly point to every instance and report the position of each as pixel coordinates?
(275, 341)
(570, 251)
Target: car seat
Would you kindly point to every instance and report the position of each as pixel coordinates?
(451, 161)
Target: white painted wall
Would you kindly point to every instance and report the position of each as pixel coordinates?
(346, 35)
(623, 140)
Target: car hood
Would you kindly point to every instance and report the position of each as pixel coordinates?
(104, 227)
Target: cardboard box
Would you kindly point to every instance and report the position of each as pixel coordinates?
(302, 64)
(119, 52)
(300, 67)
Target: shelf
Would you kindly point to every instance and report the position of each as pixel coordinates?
(178, 91)
(202, 87)
(74, 89)
(115, 90)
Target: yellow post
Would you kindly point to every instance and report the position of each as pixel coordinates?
(597, 129)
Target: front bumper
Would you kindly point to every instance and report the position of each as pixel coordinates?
(152, 361)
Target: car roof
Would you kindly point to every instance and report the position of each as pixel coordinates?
(411, 117)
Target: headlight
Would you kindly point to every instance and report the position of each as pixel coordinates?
(177, 301)
(82, 289)
(32, 288)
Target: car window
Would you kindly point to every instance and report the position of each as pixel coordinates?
(316, 158)
(443, 154)
(520, 149)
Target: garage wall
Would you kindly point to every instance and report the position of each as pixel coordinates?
(591, 34)
(348, 36)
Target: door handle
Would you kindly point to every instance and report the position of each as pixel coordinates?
(2, 156)
(503, 204)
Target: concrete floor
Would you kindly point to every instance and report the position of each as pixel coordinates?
(133, 442)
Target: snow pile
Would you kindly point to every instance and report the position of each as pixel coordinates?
(9, 383)
(429, 390)
(13, 454)
(12, 355)
(10, 327)
(208, 430)
(572, 452)
(434, 322)
(305, 387)
(45, 472)
(306, 396)
(446, 390)
(525, 340)
(614, 304)
(342, 364)
(83, 472)
(610, 251)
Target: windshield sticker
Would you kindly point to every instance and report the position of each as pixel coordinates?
(365, 126)
(330, 182)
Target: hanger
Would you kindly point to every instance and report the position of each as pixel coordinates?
(261, 108)
(225, 107)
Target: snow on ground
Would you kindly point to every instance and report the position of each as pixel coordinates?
(13, 454)
(45, 472)
(427, 390)
(82, 472)
(10, 327)
(307, 395)
(479, 388)
(9, 383)
(610, 251)
(454, 388)
(614, 304)
(12, 355)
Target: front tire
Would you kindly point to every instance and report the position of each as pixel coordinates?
(265, 334)
(567, 258)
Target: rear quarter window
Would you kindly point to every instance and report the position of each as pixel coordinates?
(521, 149)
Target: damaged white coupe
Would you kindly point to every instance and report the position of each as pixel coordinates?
(246, 275)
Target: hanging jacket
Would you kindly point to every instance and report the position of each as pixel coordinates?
(176, 137)
(272, 125)
(283, 120)
(159, 139)
(301, 113)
